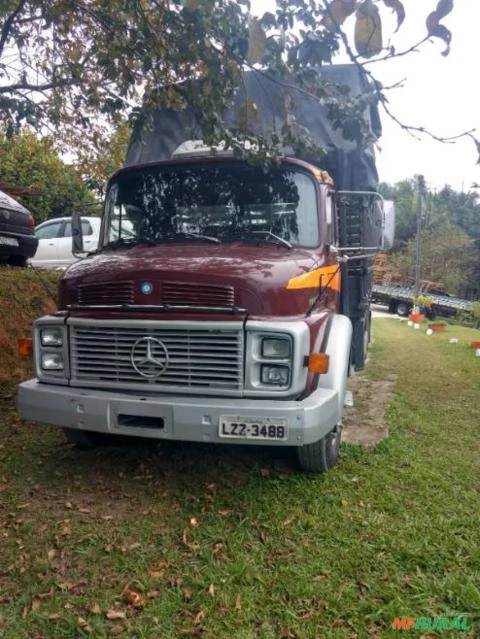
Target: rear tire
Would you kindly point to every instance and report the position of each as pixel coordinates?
(17, 260)
(321, 456)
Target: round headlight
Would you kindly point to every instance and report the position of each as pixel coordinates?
(51, 336)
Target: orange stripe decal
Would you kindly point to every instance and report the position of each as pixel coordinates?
(324, 276)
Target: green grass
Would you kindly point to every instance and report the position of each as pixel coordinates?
(226, 542)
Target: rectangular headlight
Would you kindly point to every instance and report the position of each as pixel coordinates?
(275, 375)
(52, 361)
(51, 336)
(276, 348)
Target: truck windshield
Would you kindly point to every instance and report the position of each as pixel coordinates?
(218, 202)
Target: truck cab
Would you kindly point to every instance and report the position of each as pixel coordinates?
(210, 312)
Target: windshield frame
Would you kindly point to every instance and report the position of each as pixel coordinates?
(290, 164)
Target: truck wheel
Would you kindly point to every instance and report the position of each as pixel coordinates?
(403, 309)
(392, 306)
(322, 455)
(81, 439)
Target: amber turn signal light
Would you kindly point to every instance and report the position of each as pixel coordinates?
(318, 362)
(25, 347)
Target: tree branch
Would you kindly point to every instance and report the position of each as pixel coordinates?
(381, 98)
(7, 25)
(27, 86)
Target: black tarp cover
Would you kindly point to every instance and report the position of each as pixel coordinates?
(351, 166)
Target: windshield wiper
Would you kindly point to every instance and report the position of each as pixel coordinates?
(186, 235)
(267, 236)
(122, 242)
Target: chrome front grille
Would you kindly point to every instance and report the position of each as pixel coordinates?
(198, 359)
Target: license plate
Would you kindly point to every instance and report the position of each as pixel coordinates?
(266, 428)
(8, 241)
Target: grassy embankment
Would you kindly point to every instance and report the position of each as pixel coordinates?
(201, 541)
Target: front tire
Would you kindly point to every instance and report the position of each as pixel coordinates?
(87, 439)
(321, 456)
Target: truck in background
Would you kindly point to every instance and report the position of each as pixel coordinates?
(398, 293)
(227, 301)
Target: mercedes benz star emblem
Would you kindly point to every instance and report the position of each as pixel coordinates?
(149, 357)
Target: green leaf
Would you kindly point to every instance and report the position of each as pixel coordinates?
(368, 30)
(437, 30)
(398, 7)
(257, 42)
(337, 12)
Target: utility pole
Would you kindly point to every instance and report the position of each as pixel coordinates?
(418, 253)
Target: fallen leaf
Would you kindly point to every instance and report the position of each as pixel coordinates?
(193, 522)
(211, 590)
(134, 598)
(200, 616)
(238, 603)
(51, 554)
(95, 609)
(85, 511)
(115, 614)
(151, 594)
(156, 574)
(187, 593)
(107, 517)
(54, 616)
(84, 625)
(68, 504)
(71, 585)
(35, 604)
(108, 547)
(344, 503)
(175, 581)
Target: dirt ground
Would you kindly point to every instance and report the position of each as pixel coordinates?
(364, 422)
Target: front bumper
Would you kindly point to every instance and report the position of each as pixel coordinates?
(184, 418)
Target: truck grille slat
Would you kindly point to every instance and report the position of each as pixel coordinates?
(106, 293)
(197, 294)
(197, 358)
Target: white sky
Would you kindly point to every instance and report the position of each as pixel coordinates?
(440, 93)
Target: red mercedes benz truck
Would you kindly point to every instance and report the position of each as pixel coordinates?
(226, 301)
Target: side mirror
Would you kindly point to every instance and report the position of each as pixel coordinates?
(388, 235)
(77, 235)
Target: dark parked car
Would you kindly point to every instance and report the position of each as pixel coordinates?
(17, 233)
